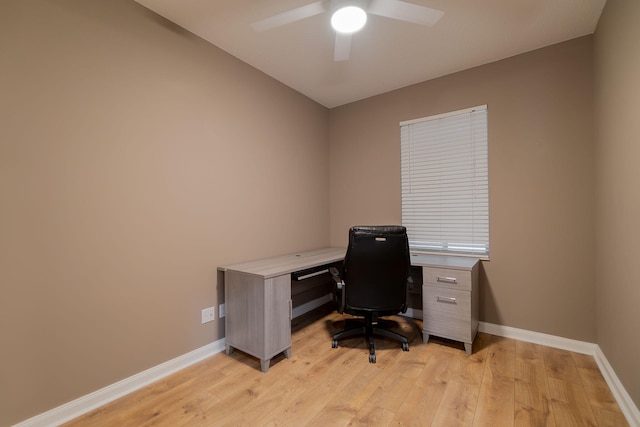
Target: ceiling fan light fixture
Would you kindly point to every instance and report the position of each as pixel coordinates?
(348, 19)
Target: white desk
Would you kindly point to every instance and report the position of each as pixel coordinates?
(258, 302)
(259, 306)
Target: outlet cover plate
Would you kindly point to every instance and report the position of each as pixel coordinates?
(208, 315)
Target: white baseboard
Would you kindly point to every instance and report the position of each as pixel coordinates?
(98, 398)
(538, 338)
(413, 313)
(627, 406)
(110, 393)
(629, 409)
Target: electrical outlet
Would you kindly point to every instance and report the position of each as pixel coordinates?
(221, 311)
(208, 314)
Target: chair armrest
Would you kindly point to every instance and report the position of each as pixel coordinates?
(335, 275)
(409, 283)
(339, 294)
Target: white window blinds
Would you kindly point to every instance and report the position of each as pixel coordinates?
(445, 190)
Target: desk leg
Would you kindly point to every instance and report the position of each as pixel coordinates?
(468, 346)
(425, 338)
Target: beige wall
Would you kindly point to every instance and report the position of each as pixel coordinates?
(541, 157)
(617, 65)
(134, 159)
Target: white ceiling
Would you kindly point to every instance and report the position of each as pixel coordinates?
(386, 54)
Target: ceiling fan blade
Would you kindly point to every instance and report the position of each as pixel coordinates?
(342, 47)
(289, 16)
(403, 11)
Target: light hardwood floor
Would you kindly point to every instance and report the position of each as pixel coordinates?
(504, 383)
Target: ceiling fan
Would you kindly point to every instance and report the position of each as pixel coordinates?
(353, 14)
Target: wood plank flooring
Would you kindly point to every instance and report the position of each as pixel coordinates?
(504, 383)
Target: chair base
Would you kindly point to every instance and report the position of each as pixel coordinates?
(370, 329)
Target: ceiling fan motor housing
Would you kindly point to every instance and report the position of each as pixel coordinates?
(338, 4)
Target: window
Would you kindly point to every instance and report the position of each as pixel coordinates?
(445, 189)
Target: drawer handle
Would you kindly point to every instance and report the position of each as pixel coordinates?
(444, 279)
(448, 300)
(314, 274)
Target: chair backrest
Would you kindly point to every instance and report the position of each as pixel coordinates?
(376, 268)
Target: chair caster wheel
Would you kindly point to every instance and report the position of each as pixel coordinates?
(405, 346)
(334, 344)
(372, 358)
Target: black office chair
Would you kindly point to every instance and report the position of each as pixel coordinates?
(374, 281)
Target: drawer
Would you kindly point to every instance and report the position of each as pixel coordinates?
(447, 313)
(447, 277)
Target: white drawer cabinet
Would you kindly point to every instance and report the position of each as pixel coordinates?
(259, 312)
(449, 298)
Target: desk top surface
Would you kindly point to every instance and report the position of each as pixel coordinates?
(444, 261)
(286, 264)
